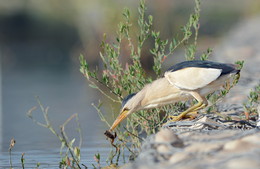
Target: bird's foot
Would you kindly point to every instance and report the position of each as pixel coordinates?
(174, 118)
(190, 115)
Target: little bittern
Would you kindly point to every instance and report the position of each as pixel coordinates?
(183, 81)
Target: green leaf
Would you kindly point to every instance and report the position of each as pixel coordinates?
(93, 86)
(77, 152)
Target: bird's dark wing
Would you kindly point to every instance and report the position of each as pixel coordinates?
(226, 68)
(195, 74)
(192, 78)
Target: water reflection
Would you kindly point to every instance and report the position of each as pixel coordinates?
(65, 92)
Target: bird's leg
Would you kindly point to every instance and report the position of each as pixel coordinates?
(202, 103)
(183, 114)
(201, 107)
(194, 113)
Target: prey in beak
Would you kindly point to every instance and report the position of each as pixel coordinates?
(118, 120)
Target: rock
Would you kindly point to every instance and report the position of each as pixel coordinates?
(258, 120)
(254, 139)
(112, 166)
(203, 148)
(204, 122)
(178, 157)
(166, 138)
(237, 146)
(243, 163)
(245, 144)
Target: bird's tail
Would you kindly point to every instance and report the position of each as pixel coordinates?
(236, 68)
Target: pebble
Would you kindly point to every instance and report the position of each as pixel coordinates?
(203, 148)
(237, 146)
(166, 138)
(243, 163)
(245, 144)
(258, 120)
(178, 157)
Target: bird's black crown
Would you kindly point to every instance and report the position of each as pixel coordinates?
(125, 100)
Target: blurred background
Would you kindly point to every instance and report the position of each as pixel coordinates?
(40, 42)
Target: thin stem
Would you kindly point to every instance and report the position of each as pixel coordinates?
(101, 91)
(12, 143)
(101, 115)
(64, 137)
(22, 160)
(10, 158)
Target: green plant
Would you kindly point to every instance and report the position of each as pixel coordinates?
(22, 160)
(71, 158)
(38, 165)
(11, 146)
(253, 101)
(119, 78)
(97, 159)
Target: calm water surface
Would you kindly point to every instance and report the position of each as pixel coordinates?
(65, 92)
(51, 158)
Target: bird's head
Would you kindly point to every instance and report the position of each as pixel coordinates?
(130, 104)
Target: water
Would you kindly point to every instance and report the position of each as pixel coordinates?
(49, 159)
(65, 91)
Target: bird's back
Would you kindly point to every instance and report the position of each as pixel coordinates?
(193, 75)
(225, 68)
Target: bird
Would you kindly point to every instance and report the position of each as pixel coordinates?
(181, 82)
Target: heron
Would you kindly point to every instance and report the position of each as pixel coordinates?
(181, 82)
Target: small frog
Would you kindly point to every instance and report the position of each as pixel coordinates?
(111, 136)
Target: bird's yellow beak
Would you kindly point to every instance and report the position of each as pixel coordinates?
(120, 118)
